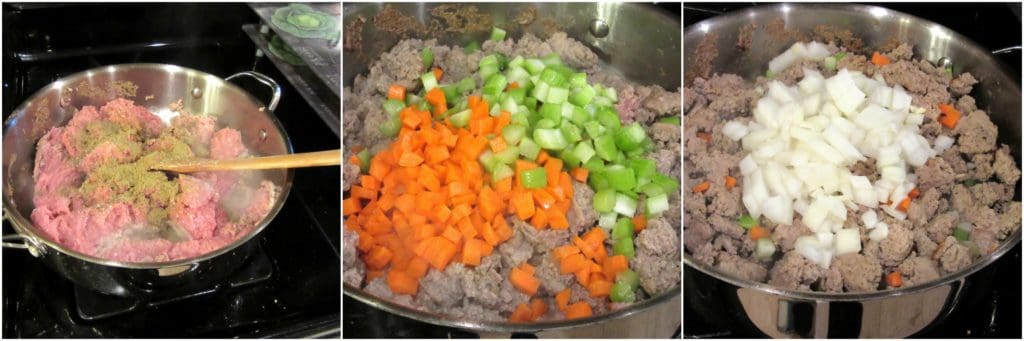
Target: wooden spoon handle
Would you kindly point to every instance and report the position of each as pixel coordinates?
(312, 159)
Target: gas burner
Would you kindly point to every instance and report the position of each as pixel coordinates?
(93, 306)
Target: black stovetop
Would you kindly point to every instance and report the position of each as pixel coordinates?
(290, 286)
(994, 313)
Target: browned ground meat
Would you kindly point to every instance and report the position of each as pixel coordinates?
(484, 292)
(355, 270)
(972, 183)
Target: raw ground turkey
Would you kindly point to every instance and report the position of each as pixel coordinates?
(95, 195)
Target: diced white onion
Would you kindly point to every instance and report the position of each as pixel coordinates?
(847, 241)
(734, 130)
(870, 219)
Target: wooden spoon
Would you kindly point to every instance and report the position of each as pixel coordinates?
(312, 159)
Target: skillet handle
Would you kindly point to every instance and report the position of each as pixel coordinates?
(17, 241)
(266, 81)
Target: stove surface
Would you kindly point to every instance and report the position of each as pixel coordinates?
(289, 288)
(995, 313)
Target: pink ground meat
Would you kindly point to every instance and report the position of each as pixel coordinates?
(226, 144)
(98, 223)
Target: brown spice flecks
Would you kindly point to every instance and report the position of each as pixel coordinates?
(461, 18)
(106, 90)
(703, 59)
(392, 20)
(746, 37)
(354, 34)
(41, 118)
(526, 16)
(124, 88)
(176, 106)
(843, 38)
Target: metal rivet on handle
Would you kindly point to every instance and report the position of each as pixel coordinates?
(263, 134)
(197, 92)
(944, 62)
(599, 28)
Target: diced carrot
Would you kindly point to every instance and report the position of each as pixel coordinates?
(513, 86)
(501, 229)
(401, 283)
(350, 206)
(498, 144)
(524, 281)
(539, 219)
(703, 135)
(580, 174)
(572, 263)
(409, 159)
(701, 187)
(528, 268)
(378, 258)
(879, 59)
(553, 166)
(471, 252)
(950, 116)
(396, 92)
(758, 232)
(541, 157)
(558, 220)
(583, 274)
(538, 307)
(562, 298)
(904, 205)
(438, 73)
(417, 268)
(436, 99)
(600, 288)
(578, 310)
(543, 198)
(354, 160)
(730, 182)
(564, 251)
(894, 279)
(639, 223)
(521, 314)
(914, 193)
(614, 265)
(523, 203)
(451, 234)
(373, 274)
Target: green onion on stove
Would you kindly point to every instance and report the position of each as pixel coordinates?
(513, 133)
(528, 149)
(460, 119)
(364, 160)
(623, 247)
(497, 34)
(393, 106)
(674, 120)
(607, 220)
(534, 178)
(473, 46)
(622, 293)
(625, 205)
(656, 204)
(604, 201)
(391, 127)
(620, 178)
(747, 222)
(551, 139)
(623, 229)
(429, 81)
(962, 232)
(501, 171)
(428, 58)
